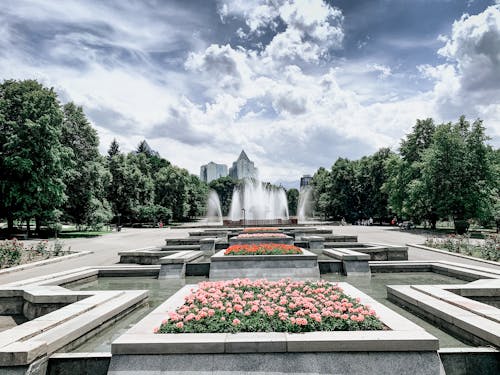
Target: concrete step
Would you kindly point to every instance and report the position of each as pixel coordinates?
(452, 316)
(180, 247)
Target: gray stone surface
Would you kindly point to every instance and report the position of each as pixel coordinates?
(471, 361)
(79, 364)
(300, 266)
(354, 267)
(361, 363)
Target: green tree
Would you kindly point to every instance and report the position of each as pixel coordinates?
(171, 192)
(403, 185)
(85, 182)
(32, 159)
(370, 177)
(224, 187)
(292, 196)
(458, 172)
(114, 149)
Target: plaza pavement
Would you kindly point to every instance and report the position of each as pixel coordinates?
(105, 248)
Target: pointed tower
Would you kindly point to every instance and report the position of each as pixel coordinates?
(243, 167)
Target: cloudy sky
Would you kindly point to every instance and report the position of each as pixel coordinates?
(296, 83)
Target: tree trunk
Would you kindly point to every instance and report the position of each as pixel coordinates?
(38, 225)
(10, 223)
(27, 228)
(433, 222)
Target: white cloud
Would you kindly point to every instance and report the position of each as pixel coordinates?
(468, 83)
(290, 104)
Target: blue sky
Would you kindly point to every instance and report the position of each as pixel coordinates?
(295, 83)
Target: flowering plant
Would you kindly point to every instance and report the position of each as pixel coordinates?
(260, 229)
(242, 305)
(259, 235)
(263, 249)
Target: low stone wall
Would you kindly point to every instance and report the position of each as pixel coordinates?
(273, 267)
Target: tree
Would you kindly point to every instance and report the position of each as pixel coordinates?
(292, 196)
(224, 187)
(343, 193)
(85, 181)
(170, 190)
(403, 185)
(371, 175)
(33, 159)
(457, 172)
(114, 149)
(321, 183)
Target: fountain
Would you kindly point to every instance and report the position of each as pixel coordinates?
(304, 209)
(255, 203)
(214, 212)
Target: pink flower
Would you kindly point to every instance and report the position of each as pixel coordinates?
(156, 329)
(229, 310)
(344, 316)
(179, 325)
(236, 322)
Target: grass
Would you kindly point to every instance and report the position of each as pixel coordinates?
(82, 234)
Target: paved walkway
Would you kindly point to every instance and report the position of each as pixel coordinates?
(105, 248)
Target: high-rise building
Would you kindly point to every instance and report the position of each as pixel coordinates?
(212, 171)
(243, 168)
(305, 180)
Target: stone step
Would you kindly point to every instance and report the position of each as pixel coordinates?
(51, 320)
(47, 336)
(476, 307)
(182, 241)
(180, 247)
(453, 316)
(345, 254)
(182, 257)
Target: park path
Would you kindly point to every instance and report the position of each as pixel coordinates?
(105, 248)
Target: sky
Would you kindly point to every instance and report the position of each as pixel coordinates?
(296, 83)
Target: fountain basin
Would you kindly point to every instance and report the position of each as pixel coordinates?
(272, 267)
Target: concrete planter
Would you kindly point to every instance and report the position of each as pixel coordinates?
(272, 267)
(286, 240)
(403, 348)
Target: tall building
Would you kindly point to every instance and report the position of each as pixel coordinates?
(212, 171)
(243, 168)
(305, 180)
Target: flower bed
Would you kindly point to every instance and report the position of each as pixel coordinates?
(14, 252)
(241, 305)
(489, 249)
(263, 249)
(258, 235)
(260, 230)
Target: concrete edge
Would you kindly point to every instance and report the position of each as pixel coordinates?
(27, 266)
(453, 254)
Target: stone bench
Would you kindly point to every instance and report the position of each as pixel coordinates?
(174, 266)
(353, 262)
